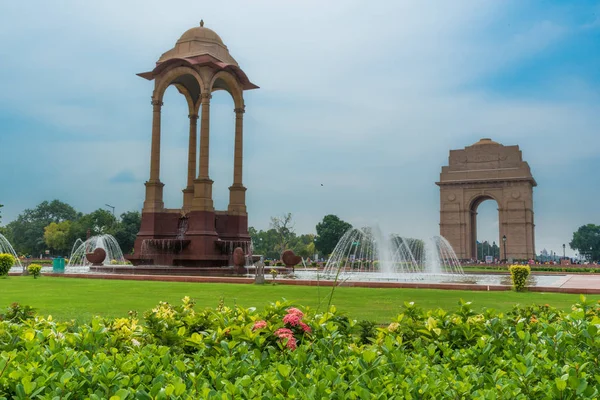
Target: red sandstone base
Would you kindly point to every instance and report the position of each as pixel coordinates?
(199, 239)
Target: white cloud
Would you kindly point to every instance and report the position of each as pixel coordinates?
(366, 100)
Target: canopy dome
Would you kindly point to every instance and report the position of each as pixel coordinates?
(199, 41)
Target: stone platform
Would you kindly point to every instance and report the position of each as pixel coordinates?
(178, 271)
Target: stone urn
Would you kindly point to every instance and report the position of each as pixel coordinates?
(290, 259)
(239, 260)
(97, 257)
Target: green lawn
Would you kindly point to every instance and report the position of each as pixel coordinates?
(69, 298)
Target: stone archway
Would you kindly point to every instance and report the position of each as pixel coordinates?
(482, 171)
(195, 235)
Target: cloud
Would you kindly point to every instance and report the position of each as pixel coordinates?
(124, 177)
(366, 100)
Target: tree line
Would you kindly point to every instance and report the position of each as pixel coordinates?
(55, 226)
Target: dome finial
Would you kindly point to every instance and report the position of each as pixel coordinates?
(201, 22)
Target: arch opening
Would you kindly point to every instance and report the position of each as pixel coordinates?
(222, 144)
(485, 233)
(174, 146)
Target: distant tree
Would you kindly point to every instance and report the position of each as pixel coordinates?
(586, 240)
(98, 222)
(27, 231)
(56, 236)
(329, 232)
(265, 243)
(304, 245)
(127, 230)
(1, 205)
(284, 228)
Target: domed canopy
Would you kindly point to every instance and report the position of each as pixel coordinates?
(485, 141)
(199, 41)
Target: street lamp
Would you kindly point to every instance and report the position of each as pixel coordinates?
(113, 208)
(564, 254)
(504, 242)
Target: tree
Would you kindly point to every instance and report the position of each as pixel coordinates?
(265, 243)
(284, 228)
(304, 245)
(98, 222)
(586, 240)
(127, 230)
(329, 233)
(56, 236)
(27, 231)
(1, 205)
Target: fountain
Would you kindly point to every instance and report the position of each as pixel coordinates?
(108, 243)
(369, 250)
(6, 248)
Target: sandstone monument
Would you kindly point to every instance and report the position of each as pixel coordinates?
(195, 235)
(482, 171)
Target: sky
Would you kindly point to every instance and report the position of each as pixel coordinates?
(358, 106)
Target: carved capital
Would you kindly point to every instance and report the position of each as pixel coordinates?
(156, 104)
(239, 110)
(205, 96)
(193, 116)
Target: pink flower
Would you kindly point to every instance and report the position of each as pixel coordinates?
(283, 333)
(305, 327)
(292, 319)
(259, 325)
(291, 343)
(295, 311)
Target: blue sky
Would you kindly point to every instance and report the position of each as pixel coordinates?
(366, 98)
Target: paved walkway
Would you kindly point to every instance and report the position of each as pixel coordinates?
(581, 282)
(577, 284)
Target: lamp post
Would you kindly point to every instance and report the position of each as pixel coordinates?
(504, 242)
(564, 254)
(113, 208)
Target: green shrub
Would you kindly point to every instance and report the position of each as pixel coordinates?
(267, 263)
(519, 275)
(279, 264)
(536, 352)
(113, 262)
(35, 270)
(17, 313)
(6, 263)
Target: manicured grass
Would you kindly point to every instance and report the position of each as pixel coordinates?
(80, 299)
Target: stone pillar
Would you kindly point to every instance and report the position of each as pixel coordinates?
(237, 192)
(203, 185)
(154, 187)
(188, 192)
(204, 136)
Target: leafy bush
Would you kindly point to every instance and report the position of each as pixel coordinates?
(35, 270)
(267, 263)
(528, 353)
(17, 313)
(6, 263)
(519, 275)
(279, 264)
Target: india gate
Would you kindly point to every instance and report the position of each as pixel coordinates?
(483, 171)
(195, 235)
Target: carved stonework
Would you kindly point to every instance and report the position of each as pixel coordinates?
(483, 171)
